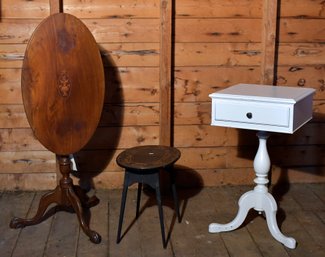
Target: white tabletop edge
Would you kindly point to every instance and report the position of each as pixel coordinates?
(279, 95)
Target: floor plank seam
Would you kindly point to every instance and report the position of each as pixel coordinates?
(319, 217)
(77, 243)
(308, 232)
(224, 244)
(47, 238)
(317, 196)
(253, 239)
(20, 230)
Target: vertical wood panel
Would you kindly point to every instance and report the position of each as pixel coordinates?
(269, 32)
(165, 70)
(55, 6)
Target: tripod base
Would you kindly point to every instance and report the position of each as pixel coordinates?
(67, 197)
(258, 199)
(265, 203)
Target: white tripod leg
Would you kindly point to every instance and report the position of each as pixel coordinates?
(246, 202)
(270, 209)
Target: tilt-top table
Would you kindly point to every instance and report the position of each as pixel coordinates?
(266, 109)
(63, 94)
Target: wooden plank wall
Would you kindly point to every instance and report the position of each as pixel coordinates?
(215, 44)
(218, 44)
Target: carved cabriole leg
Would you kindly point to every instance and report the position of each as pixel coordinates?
(45, 201)
(77, 202)
(77, 206)
(65, 195)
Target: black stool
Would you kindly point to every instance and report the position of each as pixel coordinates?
(142, 165)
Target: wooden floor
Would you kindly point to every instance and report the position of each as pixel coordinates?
(301, 215)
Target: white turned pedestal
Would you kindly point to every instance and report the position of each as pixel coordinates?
(266, 109)
(259, 198)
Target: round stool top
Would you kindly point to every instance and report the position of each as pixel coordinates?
(63, 83)
(148, 157)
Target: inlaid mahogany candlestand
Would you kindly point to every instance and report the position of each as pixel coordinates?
(66, 196)
(63, 88)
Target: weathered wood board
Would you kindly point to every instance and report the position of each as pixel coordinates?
(214, 45)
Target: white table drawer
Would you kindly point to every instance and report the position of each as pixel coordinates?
(252, 112)
(262, 107)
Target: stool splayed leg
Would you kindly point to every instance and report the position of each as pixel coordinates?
(150, 178)
(259, 198)
(142, 166)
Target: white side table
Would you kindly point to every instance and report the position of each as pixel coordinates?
(266, 109)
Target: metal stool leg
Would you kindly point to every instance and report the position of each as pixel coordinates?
(123, 200)
(138, 199)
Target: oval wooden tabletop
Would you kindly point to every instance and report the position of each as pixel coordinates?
(63, 83)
